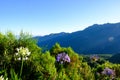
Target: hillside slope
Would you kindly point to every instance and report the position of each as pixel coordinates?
(94, 39)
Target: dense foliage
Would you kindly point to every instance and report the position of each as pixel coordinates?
(22, 59)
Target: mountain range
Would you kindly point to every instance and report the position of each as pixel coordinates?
(95, 39)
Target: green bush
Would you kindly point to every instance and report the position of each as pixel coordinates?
(17, 65)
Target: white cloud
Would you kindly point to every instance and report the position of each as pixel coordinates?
(111, 38)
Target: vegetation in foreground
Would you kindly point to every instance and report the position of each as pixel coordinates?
(22, 59)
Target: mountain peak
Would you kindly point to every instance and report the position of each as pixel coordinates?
(98, 38)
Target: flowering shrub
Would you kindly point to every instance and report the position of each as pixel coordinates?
(62, 58)
(14, 64)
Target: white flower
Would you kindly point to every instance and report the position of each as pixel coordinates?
(28, 53)
(22, 52)
(16, 54)
(26, 58)
(18, 49)
(19, 58)
(2, 78)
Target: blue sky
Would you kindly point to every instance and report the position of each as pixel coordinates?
(40, 17)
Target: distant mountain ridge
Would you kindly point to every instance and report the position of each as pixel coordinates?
(103, 38)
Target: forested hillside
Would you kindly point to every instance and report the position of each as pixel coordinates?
(98, 38)
(115, 58)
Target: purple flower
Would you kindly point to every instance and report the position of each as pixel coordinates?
(94, 57)
(67, 58)
(108, 71)
(59, 57)
(62, 58)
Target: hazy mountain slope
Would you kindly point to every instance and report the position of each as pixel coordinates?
(94, 39)
(115, 58)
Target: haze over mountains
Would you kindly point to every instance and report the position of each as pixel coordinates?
(103, 38)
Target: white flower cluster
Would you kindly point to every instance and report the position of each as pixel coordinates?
(2, 78)
(22, 52)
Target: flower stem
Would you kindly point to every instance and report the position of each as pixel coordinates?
(21, 68)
